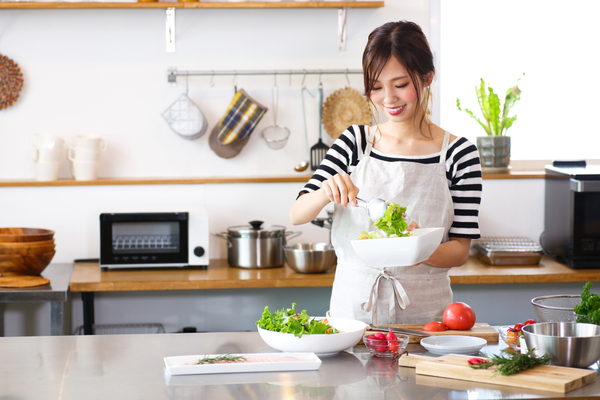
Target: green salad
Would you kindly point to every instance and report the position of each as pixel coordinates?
(392, 224)
(589, 309)
(288, 320)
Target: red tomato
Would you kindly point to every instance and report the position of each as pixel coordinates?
(391, 336)
(517, 328)
(382, 348)
(378, 336)
(434, 326)
(529, 322)
(393, 347)
(459, 316)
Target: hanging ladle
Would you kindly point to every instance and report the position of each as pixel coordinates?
(275, 135)
(304, 164)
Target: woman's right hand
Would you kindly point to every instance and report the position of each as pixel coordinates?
(341, 190)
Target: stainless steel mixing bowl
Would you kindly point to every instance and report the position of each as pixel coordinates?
(310, 258)
(569, 344)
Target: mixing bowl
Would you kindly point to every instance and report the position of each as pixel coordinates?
(556, 308)
(25, 234)
(24, 264)
(569, 344)
(310, 258)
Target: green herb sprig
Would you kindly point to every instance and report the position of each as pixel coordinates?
(220, 359)
(589, 309)
(511, 363)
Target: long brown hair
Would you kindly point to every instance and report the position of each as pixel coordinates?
(406, 41)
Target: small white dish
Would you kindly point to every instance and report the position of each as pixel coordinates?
(399, 251)
(453, 344)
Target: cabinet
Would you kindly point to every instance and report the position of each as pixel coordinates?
(195, 5)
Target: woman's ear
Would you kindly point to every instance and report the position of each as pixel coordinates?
(429, 79)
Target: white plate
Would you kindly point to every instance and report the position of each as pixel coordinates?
(259, 362)
(399, 251)
(453, 344)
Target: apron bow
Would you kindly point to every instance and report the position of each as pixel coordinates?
(398, 298)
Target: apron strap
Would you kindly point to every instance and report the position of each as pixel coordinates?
(445, 143)
(398, 298)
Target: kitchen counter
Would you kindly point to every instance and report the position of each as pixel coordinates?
(88, 277)
(132, 367)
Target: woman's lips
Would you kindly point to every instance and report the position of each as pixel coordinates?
(395, 111)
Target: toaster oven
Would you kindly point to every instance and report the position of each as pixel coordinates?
(154, 237)
(572, 213)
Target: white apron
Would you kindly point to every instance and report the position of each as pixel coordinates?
(396, 295)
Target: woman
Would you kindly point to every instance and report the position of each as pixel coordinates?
(407, 160)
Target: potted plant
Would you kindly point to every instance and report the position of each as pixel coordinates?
(494, 149)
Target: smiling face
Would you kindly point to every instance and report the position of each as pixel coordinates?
(394, 93)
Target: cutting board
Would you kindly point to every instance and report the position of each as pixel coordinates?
(482, 330)
(544, 377)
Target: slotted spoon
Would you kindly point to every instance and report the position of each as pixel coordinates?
(318, 151)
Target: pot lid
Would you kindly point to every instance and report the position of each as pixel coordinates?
(255, 230)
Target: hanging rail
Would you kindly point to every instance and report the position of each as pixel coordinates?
(173, 74)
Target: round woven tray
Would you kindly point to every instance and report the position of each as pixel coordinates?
(11, 81)
(343, 108)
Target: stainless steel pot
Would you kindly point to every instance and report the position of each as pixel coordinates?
(254, 246)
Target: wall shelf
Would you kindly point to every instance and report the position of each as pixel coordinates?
(214, 180)
(193, 5)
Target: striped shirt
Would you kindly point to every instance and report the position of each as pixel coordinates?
(463, 171)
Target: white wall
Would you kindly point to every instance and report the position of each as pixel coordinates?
(104, 72)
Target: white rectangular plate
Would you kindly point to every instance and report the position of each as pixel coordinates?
(257, 362)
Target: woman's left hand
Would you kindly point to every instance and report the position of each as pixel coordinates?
(412, 226)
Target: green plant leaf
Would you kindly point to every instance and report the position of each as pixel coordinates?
(494, 111)
(484, 104)
(484, 126)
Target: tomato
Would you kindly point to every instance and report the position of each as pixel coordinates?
(391, 336)
(378, 336)
(393, 347)
(529, 322)
(517, 328)
(459, 316)
(434, 326)
(382, 348)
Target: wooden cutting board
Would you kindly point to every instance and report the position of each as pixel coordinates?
(481, 330)
(544, 377)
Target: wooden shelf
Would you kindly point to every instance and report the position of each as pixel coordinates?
(214, 180)
(193, 5)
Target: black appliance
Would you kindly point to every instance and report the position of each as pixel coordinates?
(572, 213)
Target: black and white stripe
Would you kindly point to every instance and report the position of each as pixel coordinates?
(463, 171)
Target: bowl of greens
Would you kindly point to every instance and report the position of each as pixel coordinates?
(401, 250)
(293, 331)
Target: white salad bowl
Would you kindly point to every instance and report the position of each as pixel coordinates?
(399, 251)
(351, 332)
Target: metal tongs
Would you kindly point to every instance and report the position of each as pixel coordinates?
(397, 330)
(375, 208)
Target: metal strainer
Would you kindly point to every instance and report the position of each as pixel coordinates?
(556, 308)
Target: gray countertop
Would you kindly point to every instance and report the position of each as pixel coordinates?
(132, 367)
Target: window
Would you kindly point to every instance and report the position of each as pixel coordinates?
(555, 43)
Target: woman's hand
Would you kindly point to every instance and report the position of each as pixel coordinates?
(412, 226)
(341, 190)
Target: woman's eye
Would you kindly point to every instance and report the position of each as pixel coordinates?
(375, 88)
(402, 86)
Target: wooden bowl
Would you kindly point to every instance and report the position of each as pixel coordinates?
(43, 243)
(27, 250)
(25, 234)
(32, 265)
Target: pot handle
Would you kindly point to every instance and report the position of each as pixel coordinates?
(225, 236)
(291, 234)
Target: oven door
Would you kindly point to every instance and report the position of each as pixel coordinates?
(144, 239)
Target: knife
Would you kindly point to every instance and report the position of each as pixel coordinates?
(397, 330)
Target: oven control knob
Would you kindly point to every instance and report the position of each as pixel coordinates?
(199, 251)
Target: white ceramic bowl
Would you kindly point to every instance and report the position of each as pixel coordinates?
(453, 344)
(399, 251)
(351, 330)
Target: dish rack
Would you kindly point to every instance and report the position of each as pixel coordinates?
(507, 250)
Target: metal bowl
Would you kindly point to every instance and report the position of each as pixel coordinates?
(557, 308)
(310, 258)
(569, 344)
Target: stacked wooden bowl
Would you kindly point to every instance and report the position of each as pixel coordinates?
(25, 251)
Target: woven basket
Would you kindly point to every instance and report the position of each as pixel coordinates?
(343, 108)
(11, 81)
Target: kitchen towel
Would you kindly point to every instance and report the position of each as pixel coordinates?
(233, 131)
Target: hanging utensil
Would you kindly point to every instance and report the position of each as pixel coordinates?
(275, 135)
(304, 164)
(319, 150)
